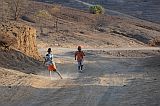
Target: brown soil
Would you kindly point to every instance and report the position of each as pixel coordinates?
(67, 27)
(103, 81)
(111, 76)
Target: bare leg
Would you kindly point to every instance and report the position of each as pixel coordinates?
(50, 73)
(59, 74)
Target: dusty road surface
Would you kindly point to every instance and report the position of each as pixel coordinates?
(105, 81)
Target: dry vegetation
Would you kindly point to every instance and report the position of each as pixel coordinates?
(68, 27)
(112, 76)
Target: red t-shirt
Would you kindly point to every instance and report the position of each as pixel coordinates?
(79, 55)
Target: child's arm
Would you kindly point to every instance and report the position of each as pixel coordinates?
(55, 65)
(45, 58)
(75, 55)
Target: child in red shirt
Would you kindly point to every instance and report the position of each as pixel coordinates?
(79, 57)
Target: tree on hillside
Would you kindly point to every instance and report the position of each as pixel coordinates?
(54, 10)
(96, 9)
(17, 7)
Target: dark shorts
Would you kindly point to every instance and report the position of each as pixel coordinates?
(80, 62)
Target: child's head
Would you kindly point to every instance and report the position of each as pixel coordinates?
(49, 50)
(79, 48)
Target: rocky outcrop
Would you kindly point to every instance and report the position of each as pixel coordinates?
(20, 37)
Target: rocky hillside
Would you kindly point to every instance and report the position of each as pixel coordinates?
(20, 37)
(78, 27)
(18, 48)
(143, 9)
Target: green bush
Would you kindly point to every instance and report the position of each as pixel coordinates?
(96, 9)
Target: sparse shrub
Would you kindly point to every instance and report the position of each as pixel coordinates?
(96, 9)
(17, 7)
(55, 9)
(43, 14)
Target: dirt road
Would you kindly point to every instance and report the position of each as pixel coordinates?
(104, 82)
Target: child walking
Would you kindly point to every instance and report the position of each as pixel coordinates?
(50, 63)
(79, 56)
